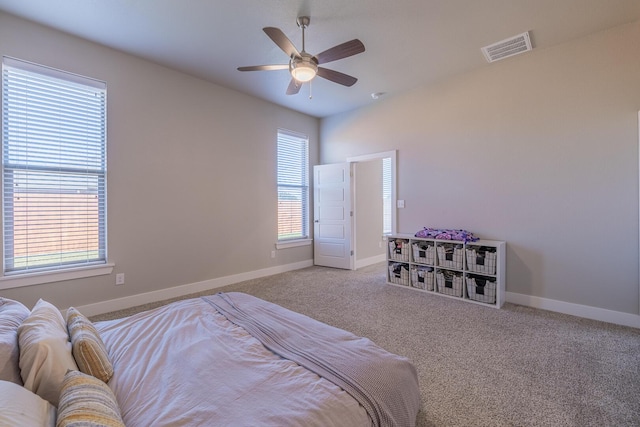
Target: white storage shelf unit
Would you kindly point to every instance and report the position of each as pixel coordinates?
(472, 271)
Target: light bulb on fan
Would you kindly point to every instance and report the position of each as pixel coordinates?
(304, 69)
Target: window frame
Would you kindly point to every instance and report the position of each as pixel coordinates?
(60, 271)
(304, 186)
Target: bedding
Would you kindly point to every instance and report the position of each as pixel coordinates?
(87, 347)
(45, 351)
(384, 384)
(233, 359)
(21, 407)
(12, 314)
(87, 401)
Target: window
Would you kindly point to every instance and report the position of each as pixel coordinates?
(293, 186)
(53, 169)
(387, 200)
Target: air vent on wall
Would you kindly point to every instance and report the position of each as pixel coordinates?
(507, 47)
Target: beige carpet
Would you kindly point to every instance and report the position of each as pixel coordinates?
(477, 366)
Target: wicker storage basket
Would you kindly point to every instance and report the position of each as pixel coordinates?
(449, 283)
(422, 278)
(481, 259)
(482, 289)
(450, 255)
(424, 253)
(399, 273)
(399, 250)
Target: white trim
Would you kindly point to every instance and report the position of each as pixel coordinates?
(30, 279)
(293, 243)
(370, 261)
(178, 291)
(352, 214)
(285, 141)
(56, 73)
(595, 313)
(374, 156)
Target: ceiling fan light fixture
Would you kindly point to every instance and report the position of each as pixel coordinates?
(303, 71)
(303, 66)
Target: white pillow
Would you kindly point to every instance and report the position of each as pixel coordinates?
(12, 313)
(45, 351)
(20, 407)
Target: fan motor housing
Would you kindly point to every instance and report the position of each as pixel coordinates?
(304, 67)
(303, 21)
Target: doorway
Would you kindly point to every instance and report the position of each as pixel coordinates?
(374, 205)
(354, 208)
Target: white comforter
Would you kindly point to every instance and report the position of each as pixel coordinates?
(186, 365)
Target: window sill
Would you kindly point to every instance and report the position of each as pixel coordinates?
(293, 243)
(30, 279)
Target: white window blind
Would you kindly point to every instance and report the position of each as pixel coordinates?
(293, 186)
(53, 168)
(386, 196)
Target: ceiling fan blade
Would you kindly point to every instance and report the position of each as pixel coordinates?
(337, 77)
(264, 67)
(282, 41)
(294, 87)
(343, 50)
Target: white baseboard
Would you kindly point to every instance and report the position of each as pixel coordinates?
(594, 313)
(601, 314)
(370, 261)
(178, 291)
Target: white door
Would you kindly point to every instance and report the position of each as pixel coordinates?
(332, 216)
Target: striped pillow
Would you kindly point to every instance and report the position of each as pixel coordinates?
(88, 348)
(87, 401)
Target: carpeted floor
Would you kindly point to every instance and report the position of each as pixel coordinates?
(477, 366)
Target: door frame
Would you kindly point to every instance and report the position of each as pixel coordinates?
(394, 198)
(393, 155)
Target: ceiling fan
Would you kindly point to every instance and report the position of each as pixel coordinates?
(302, 65)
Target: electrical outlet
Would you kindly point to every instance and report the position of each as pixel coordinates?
(120, 279)
(273, 254)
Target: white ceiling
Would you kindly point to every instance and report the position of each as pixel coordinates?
(409, 43)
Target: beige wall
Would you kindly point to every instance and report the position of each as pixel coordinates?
(540, 150)
(191, 171)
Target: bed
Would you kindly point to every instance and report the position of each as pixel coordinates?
(233, 359)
